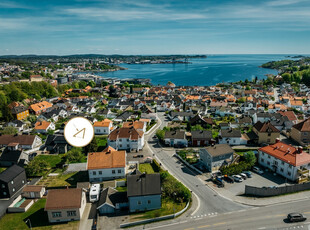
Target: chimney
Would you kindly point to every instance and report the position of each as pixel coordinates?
(299, 149)
(277, 140)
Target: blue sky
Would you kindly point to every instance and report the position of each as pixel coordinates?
(154, 27)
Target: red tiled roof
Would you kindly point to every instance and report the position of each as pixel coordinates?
(303, 126)
(287, 153)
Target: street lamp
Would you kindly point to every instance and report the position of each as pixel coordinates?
(29, 223)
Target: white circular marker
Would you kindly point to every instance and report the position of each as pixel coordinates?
(79, 132)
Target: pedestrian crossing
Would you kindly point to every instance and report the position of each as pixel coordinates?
(204, 215)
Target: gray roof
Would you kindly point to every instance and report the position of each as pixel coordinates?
(10, 173)
(230, 133)
(218, 150)
(143, 185)
(201, 134)
(176, 134)
(111, 196)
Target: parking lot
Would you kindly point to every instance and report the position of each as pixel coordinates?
(265, 180)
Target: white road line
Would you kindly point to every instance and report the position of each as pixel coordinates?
(181, 222)
(262, 228)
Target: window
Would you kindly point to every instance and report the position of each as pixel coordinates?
(120, 145)
(13, 189)
(139, 202)
(289, 173)
(268, 140)
(3, 185)
(268, 157)
(56, 214)
(113, 171)
(263, 153)
(12, 182)
(268, 163)
(127, 139)
(71, 213)
(305, 134)
(290, 166)
(119, 171)
(262, 160)
(269, 134)
(281, 170)
(94, 173)
(4, 193)
(100, 172)
(148, 201)
(275, 162)
(23, 181)
(282, 162)
(127, 145)
(120, 139)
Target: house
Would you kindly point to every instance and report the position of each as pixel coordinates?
(138, 125)
(11, 181)
(152, 116)
(56, 144)
(111, 201)
(40, 107)
(265, 132)
(214, 157)
(175, 138)
(24, 141)
(12, 154)
(103, 127)
(36, 78)
(144, 192)
(201, 137)
(290, 115)
(199, 120)
(44, 126)
(126, 139)
(301, 132)
(285, 160)
(17, 124)
(106, 165)
(125, 116)
(64, 205)
(33, 191)
(180, 116)
(231, 137)
(20, 112)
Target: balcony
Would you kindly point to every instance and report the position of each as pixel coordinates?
(303, 171)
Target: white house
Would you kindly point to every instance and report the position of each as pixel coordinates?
(176, 138)
(126, 139)
(138, 125)
(285, 160)
(44, 126)
(232, 137)
(106, 165)
(103, 127)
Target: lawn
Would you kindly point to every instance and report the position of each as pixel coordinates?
(168, 207)
(52, 160)
(146, 168)
(69, 179)
(37, 217)
(101, 142)
(242, 151)
(2, 169)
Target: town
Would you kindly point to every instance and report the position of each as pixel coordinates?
(159, 152)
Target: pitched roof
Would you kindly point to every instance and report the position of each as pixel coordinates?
(230, 133)
(175, 134)
(303, 126)
(40, 106)
(18, 109)
(33, 188)
(130, 133)
(63, 199)
(201, 134)
(108, 158)
(10, 173)
(265, 127)
(220, 149)
(290, 114)
(104, 123)
(136, 124)
(42, 125)
(143, 184)
(111, 196)
(287, 153)
(21, 139)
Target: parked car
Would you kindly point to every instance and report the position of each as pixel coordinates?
(257, 170)
(219, 181)
(243, 176)
(237, 178)
(229, 179)
(138, 156)
(296, 217)
(248, 173)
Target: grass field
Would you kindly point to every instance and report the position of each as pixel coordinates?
(146, 168)
(38, 218)
(69, 179)
(52, 160)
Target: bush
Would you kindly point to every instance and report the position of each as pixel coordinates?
(236, 168)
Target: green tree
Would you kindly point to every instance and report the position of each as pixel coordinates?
(160, 134)
(9, 130)
(36, 167)
(250, 158)
(286, 77)
(92, 84)
(75, 155)
(92, 146)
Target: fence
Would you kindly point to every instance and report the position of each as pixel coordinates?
(186, 163)
(274, 191)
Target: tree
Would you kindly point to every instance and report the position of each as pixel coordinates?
(92, 84)
(75, 155)
(36, 167)
(9, 130)
(92, 146)
(286, 77)
(250, 158)
(112, 91)
(160, 134)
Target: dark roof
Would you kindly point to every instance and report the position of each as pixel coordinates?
(303, 126)
(125, 115)
(230, 133)
(63, 198)
(17, 122)
(143, 185)
(10, 173)
(176, 134)
(112, 197)
(21, 139)
(201, 134)
(218, 150)
(243, 120)
(265, 127)
(10, 155)
(18, 109)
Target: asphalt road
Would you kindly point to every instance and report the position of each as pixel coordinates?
(271, 217)
(209, 202)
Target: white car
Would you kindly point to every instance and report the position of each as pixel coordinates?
(237, 178)
(257, 170)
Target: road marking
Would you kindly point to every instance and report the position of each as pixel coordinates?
(262, 228)
(219, 223)
(181, 222)
(189, 229)
(280, 215)
(204, 226)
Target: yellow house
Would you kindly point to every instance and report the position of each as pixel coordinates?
(20, 112)
(266, 132)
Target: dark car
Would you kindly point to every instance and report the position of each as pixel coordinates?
(296, 217)
(229, 179)
(219, 181)
(138, 156)
(248, 174)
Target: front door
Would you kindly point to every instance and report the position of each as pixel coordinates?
(31, 194)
